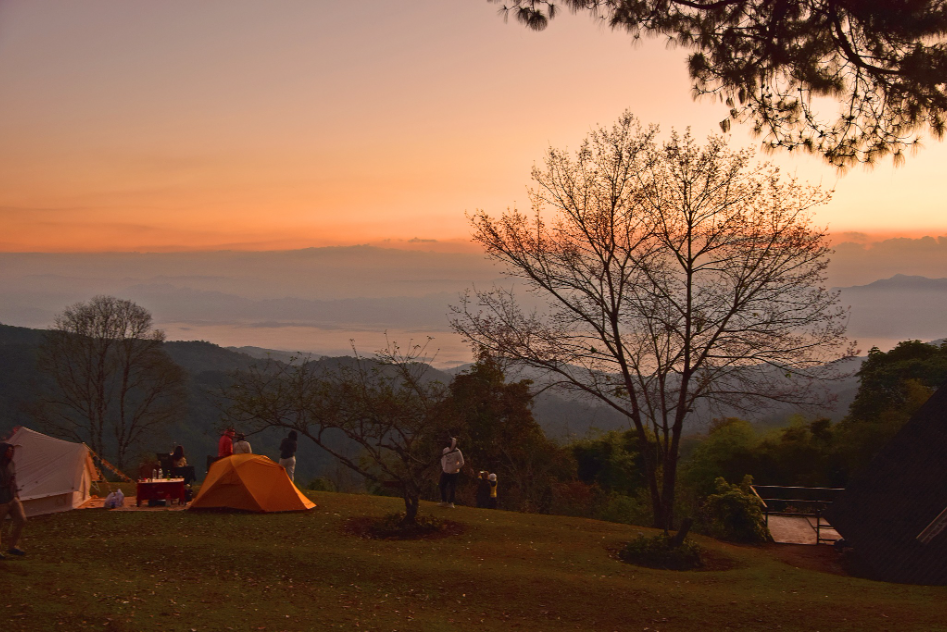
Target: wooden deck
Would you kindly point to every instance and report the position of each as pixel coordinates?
(800, 530)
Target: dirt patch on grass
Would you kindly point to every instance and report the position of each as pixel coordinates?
(717, 561)
(375, 528)
(821, 558)
(710, 560)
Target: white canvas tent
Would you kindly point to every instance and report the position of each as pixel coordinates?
(53, 475)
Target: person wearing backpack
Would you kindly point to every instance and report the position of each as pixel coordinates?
(483, 490)
(241, 445)
(10, 499)
(451, 462)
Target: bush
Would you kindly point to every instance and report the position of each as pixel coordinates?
(729, 450)
(657, 552)
(623, 509)
(393, 527)
(320, 484)
(734, 513)
(573, 499)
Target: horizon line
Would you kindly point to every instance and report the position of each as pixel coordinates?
(451, 245)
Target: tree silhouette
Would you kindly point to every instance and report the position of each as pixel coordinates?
(111, 382)
(778, 64)
(672, 275)
(385, 405)
(495, 421)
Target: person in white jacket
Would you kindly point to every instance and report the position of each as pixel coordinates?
(241, 445)
(451, 462)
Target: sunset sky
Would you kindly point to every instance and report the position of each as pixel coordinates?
(136, 125)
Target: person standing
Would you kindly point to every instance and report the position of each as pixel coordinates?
(483, 490)
(10, 499)
(452, 460)
(225, 447)
(241, 445)
(287, 454)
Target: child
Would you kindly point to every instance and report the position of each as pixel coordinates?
(493, 491)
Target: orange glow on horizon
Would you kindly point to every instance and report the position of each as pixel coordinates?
(129, 129)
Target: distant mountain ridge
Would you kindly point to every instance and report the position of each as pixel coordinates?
(561, 414)
(318, 299)
(172, 303)
(208, 367)
(901, 307)
(903, 282)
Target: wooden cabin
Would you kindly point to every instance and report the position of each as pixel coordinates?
(894, 513)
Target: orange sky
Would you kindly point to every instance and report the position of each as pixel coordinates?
(175, 125)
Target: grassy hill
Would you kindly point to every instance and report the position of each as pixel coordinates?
(100, 570)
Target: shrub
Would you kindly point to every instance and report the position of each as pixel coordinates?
(612, 461)
(623, 509)
(734, 513)
(573, 499)
(728, 450)
(393, 527)
(657, 552)
(320, 484)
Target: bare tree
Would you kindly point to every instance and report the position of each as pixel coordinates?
(780, 64)
(385, 405)
(671, 274)
(113, 383)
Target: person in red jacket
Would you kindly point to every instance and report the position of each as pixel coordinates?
(225, 447)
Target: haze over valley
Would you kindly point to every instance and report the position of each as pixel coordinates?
(318, 299)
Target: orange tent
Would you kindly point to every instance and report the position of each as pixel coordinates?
(251, 482)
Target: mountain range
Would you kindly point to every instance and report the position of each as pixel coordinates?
(319, 299)
(208, 367)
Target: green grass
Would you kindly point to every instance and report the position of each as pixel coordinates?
(95, 569)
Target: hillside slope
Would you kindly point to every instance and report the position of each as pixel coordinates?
(171, 571)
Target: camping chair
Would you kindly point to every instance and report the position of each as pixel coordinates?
(146, 468)
(210, 461)
(187, 473)
(164, 461)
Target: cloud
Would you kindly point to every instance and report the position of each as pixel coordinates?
(860, 263)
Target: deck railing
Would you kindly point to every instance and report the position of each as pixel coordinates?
(807, 502)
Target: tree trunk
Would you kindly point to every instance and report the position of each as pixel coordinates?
(669, 483)
(651, 466)
(411, 501)
(657, 506)
(678, 538)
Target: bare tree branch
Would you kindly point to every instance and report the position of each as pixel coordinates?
(672, 274)
(113, 382)
(384, 404)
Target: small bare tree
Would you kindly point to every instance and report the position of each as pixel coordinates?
(384, 404)
(671, 274)
(112, 382)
